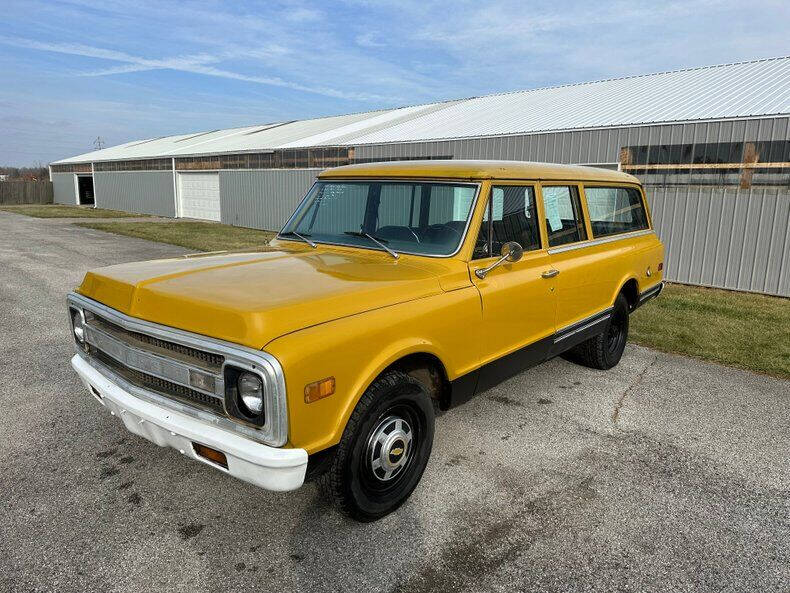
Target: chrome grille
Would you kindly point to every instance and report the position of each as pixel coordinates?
(199, 358)
(161, 386)
(157, 365)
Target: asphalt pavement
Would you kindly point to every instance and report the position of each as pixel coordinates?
(663, 474)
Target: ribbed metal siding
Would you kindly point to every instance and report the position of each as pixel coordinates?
(63, 188)
(727, 238)
(585, 146)
(262, 199)
(146, 192)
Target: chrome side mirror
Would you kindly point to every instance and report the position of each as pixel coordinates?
(511, 252)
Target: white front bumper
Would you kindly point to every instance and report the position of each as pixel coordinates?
(268, 467)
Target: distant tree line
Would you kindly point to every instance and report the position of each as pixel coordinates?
(26, 173)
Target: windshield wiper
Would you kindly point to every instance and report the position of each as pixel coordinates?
(304, 238)
(379, 242)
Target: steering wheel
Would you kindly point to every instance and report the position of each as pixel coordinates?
(416, 237)
(441, 227)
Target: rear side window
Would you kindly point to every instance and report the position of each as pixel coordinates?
(615, 210)
(511, 215)
(564, 219)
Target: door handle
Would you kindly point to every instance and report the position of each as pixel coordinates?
(550, 273)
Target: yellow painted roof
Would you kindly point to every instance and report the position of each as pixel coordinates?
(473, 169)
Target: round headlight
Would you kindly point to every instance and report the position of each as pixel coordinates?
(78, 325)
(251, 393)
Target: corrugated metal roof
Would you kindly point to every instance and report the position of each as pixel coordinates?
(715, 92)
(156, 147)
(292, 134)
(744, 89)
(289, 134)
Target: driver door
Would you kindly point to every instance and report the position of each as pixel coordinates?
(518, 301)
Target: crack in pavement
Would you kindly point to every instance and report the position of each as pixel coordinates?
(639, 378)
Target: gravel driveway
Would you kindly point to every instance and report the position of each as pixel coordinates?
(663, 474)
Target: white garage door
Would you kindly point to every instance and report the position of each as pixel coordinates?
(199, 195)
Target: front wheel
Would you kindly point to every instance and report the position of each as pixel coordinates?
(384, 449)
(605, 350)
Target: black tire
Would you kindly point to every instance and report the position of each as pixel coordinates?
(373, 436)
(606, 349)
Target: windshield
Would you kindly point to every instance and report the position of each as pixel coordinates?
(420, 217)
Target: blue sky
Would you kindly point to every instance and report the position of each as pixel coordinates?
(75, 70)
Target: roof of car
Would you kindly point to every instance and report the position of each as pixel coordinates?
(478, 169)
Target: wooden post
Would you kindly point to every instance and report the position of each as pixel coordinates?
(750, 156)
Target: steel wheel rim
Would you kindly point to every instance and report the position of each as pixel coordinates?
(390, 448)
(614, 335)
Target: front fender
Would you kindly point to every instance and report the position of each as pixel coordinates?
(356, 349)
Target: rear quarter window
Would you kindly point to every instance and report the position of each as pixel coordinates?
(615, 210)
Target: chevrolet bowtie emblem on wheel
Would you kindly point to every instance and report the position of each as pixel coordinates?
(397, 451)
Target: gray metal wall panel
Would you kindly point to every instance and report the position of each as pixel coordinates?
(726, 238)
(583, 146)
(146, 192)
(63, 188)
(777, 275)
(262, 199)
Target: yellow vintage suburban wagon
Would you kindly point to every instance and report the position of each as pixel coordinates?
(394, 290)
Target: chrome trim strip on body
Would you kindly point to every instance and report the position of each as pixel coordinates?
(601, 241)
(152, 364)
(651, 292)
(583, 324)
(477, 186)
(275, 430)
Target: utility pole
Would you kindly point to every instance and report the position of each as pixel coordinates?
(98, 143)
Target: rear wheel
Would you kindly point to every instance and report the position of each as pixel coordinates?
(606, 349)
(384, 449)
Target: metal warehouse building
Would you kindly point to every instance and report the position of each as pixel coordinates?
(711, 145)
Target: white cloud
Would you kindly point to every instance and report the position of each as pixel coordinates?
(302, 14)
(193, 64)
(369, 39)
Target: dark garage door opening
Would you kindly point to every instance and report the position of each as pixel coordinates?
(85, 190)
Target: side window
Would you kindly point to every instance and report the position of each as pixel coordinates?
(564, 219)
(511, 215)
(615, 210)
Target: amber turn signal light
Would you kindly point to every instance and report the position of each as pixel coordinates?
(217, 457)
(319, 390)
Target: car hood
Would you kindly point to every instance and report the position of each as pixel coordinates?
(252, 298)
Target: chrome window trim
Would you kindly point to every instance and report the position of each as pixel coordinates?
(461, 243)
(601, 241)
(274, 432)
